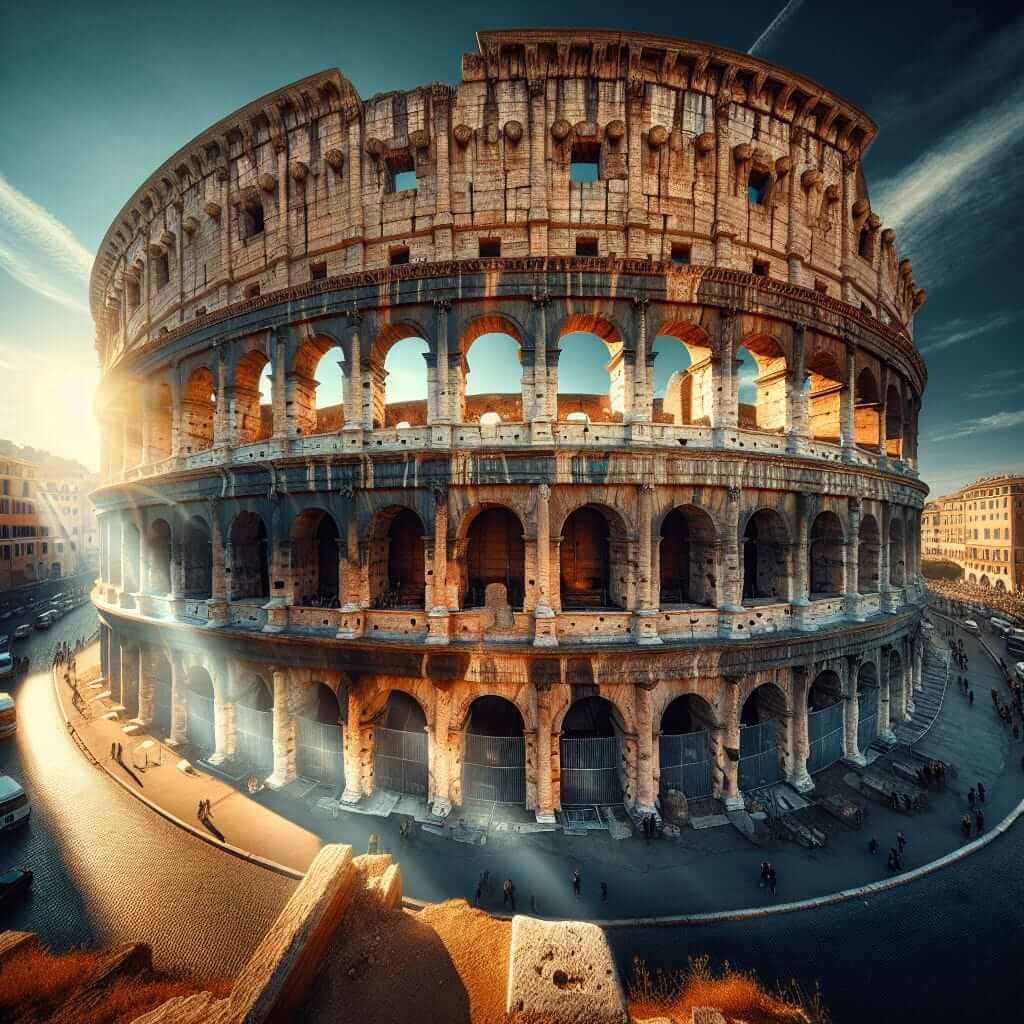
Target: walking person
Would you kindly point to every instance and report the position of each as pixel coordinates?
(981, 792)
(576, 882)
(478, 892)
(970, 698)
(979, 820)
(772, 880)
(508, 894)
(901, 842)
(200, 810)
(970, 798)
(873, 846)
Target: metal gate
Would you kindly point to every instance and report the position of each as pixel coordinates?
(685, 764)
(760, 764)
(494, 768)
(162, 709)
(400, 760)
(825, 732)
(255, 737)
(200, 722)
(867, 720)
(319, 753)
(590, 770)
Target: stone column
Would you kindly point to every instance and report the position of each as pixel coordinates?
(723, 371)
(851, 713)
(731, 591)
(732, 798)
(636, 213)
(436, 584)
(544, 618)
(538, 130)
(852, 563)
(440, 98)
(918, 663)
(908, 679)
(796, 440)
(800, 743)
(278, 397)
(440, 795)
(281, 242)
(225, 725)
(217, 605)
(104, 653)
(801, 582)
(640, 410)
(545, 812)
(120, 655)
(540, 425)
(175, 387)
(888, 601)
(220, 421)
(147, 696)
(645, 617)
(645, 791)
(847, 427)
(353, 745)
(285, 728)
(447, 405)
(884, 704)
(847, 237)
(179, 702)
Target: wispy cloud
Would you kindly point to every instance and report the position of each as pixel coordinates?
(961, 329)
(982, 425)
(40, 252)
(776, 23)
(965, 177)
(998, 383)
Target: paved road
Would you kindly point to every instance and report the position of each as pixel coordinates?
(107, 869)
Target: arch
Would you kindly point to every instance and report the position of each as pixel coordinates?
(158, 557)
(325, 706)
(893, 422)
(765, 543)
(159, 671)
(160, 417)
(398, 362)
(198, 680)
(760, 383)
(198, 411)
(495, 554)
(826, 690)
(868, 549)
(984, 581)
(972, 578)
(197, 553)
(401, 746)
(316, 383)
(315, 559)
(1000, 585)
(824, 398)
(590, 752)
(397, 559)
(593, 559)
(866, 411)
(868, 699)
(588, 382)
(897, 704)
(762, 737)
(253, 418)
(897, 552)
(494, 751)
(683, 379)
(687, 570)
(253, 691)
(248, 558)
(492, 360)
(826, 556)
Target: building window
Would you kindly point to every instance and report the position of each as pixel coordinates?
(681, 255)
(820, 287)
(250, 221)
(161, 270)
(586, 246)
(760, 268)
(30, 549)
(399, 256)
(584, 167)
(252, 291)
(5, 552)
(318, 271)
(490, 247)
(757, 187)
(864, 244)
(403, 173)
(132, 294)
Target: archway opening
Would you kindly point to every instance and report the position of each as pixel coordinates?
(869, 546)
(315, 560)
(866, 411)
(397, 560)
(131, 552)
(248, 573)
(824, 400)
(591, 373)
(253, 412)
(685, 747)
(493, 364)
(158, 557)
(893, 422)
(199, 710)
(400, 746)
(825, 731)
(984, 581)
(761, 384)
(198, 411)
(494, 756)
(404, 383)
(896, 687)
(762, 738)
(198, 559)
(825, 556)
(686, 558)
(586, 561)
(254, 720)
(495, 557)
(764, 557)
(591, 753)
(319, 745)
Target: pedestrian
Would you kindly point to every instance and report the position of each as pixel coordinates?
(873, 846)
(113, 751)
(772, 880)
(576, 882)
(981, 792)
(965, 826)
(477, 893)
(970, 698)
(200, 809)
(892, 859)
(765, 871)
(901, 841)
(604, 892)
(979, 820)
(508, 894)
(970, 798)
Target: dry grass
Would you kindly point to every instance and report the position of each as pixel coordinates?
(34, 984)
(736, 994)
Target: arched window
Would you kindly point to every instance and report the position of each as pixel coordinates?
(405, 380)
(584, 382)
(493, 376)
(397, 562)
(160, 420)
(197, 551)
(825, 568)
(825, 397)
(687, 572)
(866, 407)
(315, 559)
(758, 187)
(495, 554)
(682, 375)
(590, 753)
(248, 568)
(317, 386)
(593, 559)
(253, 410)
(761, 384)
(762, 738)
(158, 556)
(199, 410)
(893, 422)
(867, 556)
(764, 557)
(494, 758)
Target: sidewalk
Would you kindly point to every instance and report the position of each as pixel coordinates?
(707, 870)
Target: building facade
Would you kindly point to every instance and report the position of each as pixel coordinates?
(24, 537)
(63, 489)
(534, 597)
(981, 528)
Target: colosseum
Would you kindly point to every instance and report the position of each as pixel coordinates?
(555, 600)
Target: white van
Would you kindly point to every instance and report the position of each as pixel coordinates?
(14, 806)
(970, 626)
(1001, 626)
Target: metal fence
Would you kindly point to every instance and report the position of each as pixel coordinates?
(400, 760)
(255, 737)
(200, 722)
(686, 764)
(494, 768)
(162, 709)
(825, 732)
(319, 753)
(760, 764)
(590, 770)
(867, 720)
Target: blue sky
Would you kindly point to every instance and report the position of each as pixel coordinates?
(96, 96)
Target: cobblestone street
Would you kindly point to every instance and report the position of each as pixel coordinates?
(107, 869)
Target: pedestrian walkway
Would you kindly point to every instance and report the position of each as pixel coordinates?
(928, 700)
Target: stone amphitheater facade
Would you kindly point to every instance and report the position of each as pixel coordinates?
(489, 596)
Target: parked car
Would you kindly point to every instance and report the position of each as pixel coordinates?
(14, 806)
(1001, 626)
(6, 614)
(5, 642)
(20, 610)
(46, 620)
(8, 716)
(6, 664)
(13, 881)
(24, 630)
(970, 626)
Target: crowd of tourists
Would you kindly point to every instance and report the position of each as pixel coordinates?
(1004, 602)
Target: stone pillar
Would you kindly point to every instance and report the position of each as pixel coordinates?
(281, 245)
(908, 679)
(174, 381)
(447, 405)
(851, 557)
(179, 702)
(847, 237)
(545, 811)
(540, 425)
(918, 663)
(538, 217)
(801, 582)
(544, 618)
(285, 728)
(732, 798)
(353, 744)
(723, 371)
(640, 409)
(116, 681)
(218, 603)
(105, 653)
(225, 725)
(645, 763)
(440, 98)
(636, 213)
(800, 743)
(224, 178)
(796, 440)
(851, 713)
(889, 601)
(437, 575)
(645, 617)
(847, 427)
(278, 396)
(731, 590)
(884, 704)
(441, 773)
(147, 696)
